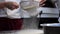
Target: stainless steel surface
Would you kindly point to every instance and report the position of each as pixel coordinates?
(52, 25)
(49, 12)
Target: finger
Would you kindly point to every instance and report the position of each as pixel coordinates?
(9, 7)
(42, 1)
(16, 6)
(42, 5)
(13, 8)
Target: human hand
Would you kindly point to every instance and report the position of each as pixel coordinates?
(12, 5)
(42, 2)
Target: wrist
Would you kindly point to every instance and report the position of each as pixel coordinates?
(2, 5)
(5, 4)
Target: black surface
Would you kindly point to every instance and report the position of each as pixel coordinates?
(47, 20)
(49, 4)
(51, 30)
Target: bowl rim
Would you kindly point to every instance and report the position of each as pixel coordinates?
(51, 24)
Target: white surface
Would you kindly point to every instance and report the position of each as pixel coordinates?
(14, 13)
(31, 31)
(28, 31)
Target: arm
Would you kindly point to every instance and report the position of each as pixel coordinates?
(2, 5)
(12, 5)
(42, 3)
(47, 3)
(9, 5)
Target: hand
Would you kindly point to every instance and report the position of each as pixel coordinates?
(12, 5)
(42, 2)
